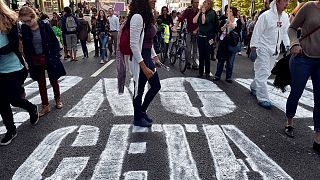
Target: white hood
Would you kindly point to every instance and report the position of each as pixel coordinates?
(271, 29)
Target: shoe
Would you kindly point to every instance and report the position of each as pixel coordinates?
(189, 66)
(142, 123)
(65, 58)
(240, 54)
(316, 147)
(59, 103)
(253, 92)
(102, 62)
(45, 109)
(34, 116)
(288, 130)
(8, 137)
(208, 76)
(229, 81)
(146, 117)
(216, 79)
(265, 104)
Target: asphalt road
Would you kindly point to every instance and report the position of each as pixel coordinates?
(202, 130)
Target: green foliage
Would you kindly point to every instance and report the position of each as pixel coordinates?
(245, 5)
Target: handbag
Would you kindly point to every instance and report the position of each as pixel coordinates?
(39, 60)
(233, 38)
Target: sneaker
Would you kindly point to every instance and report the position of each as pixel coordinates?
(102, 62)
(8, 137)
(34, 116)
(288, 130)
(59, 103)
(142, 123)
(316, 147)
(253, 92)
(265, 104)
(146, 117)
(45, 109)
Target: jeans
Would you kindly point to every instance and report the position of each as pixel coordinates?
(43, 87)
(154, 83)
(103, 46)
(191, 46)
(301, 68)
(84, 48)
(10, 93)
(204, 54)
(232, 51)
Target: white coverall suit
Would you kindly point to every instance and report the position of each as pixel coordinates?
(270, 29)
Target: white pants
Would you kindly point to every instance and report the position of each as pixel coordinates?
(262, 70)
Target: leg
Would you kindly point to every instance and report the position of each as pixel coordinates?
(5, 109)
(137, 100)
(43, 87)
(96, 45)
(115, 40)
(74, 46)
(230, 62)
(208, 48)
(315, 76)
(194, 50)
(154, 89)
(188, 50)
(201, 45)
(83, 46)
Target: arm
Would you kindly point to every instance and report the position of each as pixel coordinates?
(286, 40)
(297, 22)
(13, 44)
(257, 31)
(118, 25)
(195, 19)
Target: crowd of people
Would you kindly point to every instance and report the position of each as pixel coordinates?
(31, 42)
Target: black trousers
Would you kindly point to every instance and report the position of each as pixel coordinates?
(96, 45)
(84, 48)
(204, 54)
(10, 93)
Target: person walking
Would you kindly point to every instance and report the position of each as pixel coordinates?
(94, 33)
(142, 31)
(103, 33)
(270, 29)
(191, 37)
(305, 63)
(42, 52)
(114, 29)
(70, 27)
(83, 35)
(207, 20)
(12, 74)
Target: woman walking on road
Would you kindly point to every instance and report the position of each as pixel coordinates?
(12, 74)
(83, 35)
(103, 33)
(305, 63)
(41, 49)
(142, 31)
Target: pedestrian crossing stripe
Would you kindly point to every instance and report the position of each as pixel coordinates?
(181, 162)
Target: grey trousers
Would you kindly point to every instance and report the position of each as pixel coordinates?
(192, 49)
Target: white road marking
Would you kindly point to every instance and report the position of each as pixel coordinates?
(138, 129)
(136, 175)
(192, 128)
(257, 159)
(156, 128)
(89, 104)
(111, 159)
(121, 104)
(70, 168)
(202, 85)
(311, 127)
(138, 148)
(278, 101)
(227, 166)
(27, 80)
(182, 164)
(36, 163)
(102, 68)
(18, 118)
(88, 136)
(65, 84)
(309, 84)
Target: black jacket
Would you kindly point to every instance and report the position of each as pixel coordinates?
(51, 50)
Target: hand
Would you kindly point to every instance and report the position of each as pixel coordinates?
(97, 37)
(148, 72)
(295, 50)
(194, 32)
(253, 55)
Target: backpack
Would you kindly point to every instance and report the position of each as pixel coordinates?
(124, 43)
(71, 24)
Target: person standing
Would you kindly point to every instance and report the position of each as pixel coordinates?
(12, 74)
(270, 29)
(305, 63)
(207, 20)
(103, 33)
(192, 29)
(114, 29)
(144, 59)
(42, 52)
(83, 35)
(70, 27)
(166, 19)
(93, 31)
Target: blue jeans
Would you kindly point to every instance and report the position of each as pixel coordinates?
(231, 57)
(301, 68)
(154, 86)
(103, 44)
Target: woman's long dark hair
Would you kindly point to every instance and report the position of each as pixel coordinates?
(104, 16)
(143, 8)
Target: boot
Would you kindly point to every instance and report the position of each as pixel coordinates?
(59, 103)
(44, 110)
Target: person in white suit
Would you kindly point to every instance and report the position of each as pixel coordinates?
(270, 30)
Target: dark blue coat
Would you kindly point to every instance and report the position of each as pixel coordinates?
(51, 50)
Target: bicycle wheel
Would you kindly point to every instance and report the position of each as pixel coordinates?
(163, 52)
(173, 54)
(182, 60)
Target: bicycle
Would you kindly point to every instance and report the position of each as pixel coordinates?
(180, 50)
